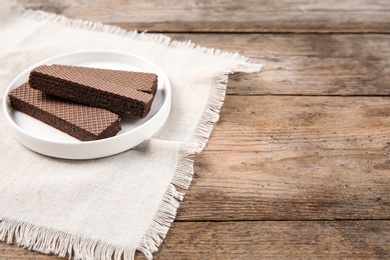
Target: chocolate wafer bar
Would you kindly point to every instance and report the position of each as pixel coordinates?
(122, 92)
(83, 122)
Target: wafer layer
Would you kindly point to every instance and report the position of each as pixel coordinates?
(85, 123)
(122, 92)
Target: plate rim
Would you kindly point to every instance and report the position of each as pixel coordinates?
(166, 105)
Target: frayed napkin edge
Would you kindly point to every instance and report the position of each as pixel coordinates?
(52, 241)
(167, 210)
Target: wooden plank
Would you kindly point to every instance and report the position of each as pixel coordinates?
(308, 64)
(229, 16)
(262, 239)
(294, 158)
(277, 240)
(12, 252)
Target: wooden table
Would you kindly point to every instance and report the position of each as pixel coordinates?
(299, 164)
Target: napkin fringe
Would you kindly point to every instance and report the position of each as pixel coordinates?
(184, 169)
(210, 115)
(167, 210)
(51, 241)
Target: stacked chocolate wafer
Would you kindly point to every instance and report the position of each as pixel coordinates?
(85, 102)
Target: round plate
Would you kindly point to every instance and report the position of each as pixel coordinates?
(47, 140)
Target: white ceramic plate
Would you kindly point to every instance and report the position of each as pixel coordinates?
(47, 140)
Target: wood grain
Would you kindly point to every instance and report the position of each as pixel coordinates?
(306, 64)
(351, 16)
(262, 240)
(277, 240)
(294, 158)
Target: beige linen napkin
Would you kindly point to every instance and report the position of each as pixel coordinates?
(110, 207)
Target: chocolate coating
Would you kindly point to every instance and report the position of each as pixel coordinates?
(122, 92)
(83, 122)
